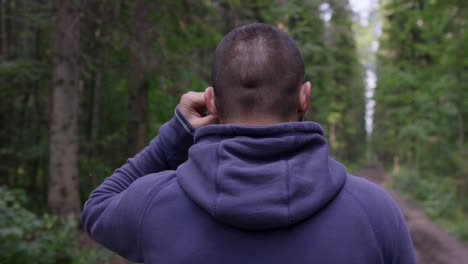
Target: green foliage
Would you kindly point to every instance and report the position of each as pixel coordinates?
(332, 67)
(28, 238)
(183, 37)
(437, 197)
(419, 83)
(420, 118)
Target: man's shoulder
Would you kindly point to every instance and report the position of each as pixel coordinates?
(151, 184)
(378, 204)
(370, 195)
(362, 188)
(384, 216)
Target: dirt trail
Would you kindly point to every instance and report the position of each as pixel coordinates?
(432, 244)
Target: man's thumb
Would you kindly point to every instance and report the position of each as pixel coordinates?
(206, 120)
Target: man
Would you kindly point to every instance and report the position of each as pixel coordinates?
(259, 187)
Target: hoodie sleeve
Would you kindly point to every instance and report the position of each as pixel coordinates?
(113, 211)
(403, 251)
(386, 219)
(394, 234)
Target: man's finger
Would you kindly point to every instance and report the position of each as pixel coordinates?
(193, 99)
(203, 121)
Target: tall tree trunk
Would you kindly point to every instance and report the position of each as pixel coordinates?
(63, 196)
(139, 63)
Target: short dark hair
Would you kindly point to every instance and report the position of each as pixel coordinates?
(257, 68)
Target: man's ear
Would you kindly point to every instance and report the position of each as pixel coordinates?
(210, 101)
(304, 98)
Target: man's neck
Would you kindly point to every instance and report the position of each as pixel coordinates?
(259, 121)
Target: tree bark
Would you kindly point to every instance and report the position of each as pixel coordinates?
(63, 195)
(139, 64)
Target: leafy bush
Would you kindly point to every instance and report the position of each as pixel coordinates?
(28, 238)
(437, 196)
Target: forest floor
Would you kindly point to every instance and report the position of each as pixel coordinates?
(432, 244)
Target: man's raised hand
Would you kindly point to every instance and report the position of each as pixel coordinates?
(193, 106)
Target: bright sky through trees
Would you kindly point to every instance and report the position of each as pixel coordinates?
(363, 10)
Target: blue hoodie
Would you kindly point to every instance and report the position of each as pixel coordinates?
(244, 194)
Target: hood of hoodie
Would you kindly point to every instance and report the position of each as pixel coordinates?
(261, 177)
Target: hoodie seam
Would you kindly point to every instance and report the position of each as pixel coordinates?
(145, 209)
(364, 209)
(288, 195)
(275, 130)
(216, 198)
(288, 179)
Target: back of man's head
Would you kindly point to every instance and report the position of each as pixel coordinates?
(257, 70)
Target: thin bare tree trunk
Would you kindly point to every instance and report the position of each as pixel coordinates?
(139, 63)
(461, 124)
(4, 33)
(96, 109)
(458, 73)
(95, 120)
(63, 196)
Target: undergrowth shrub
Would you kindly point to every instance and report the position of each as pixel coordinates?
(437, 196)
(28, 238)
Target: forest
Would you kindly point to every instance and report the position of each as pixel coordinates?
(86, 84)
